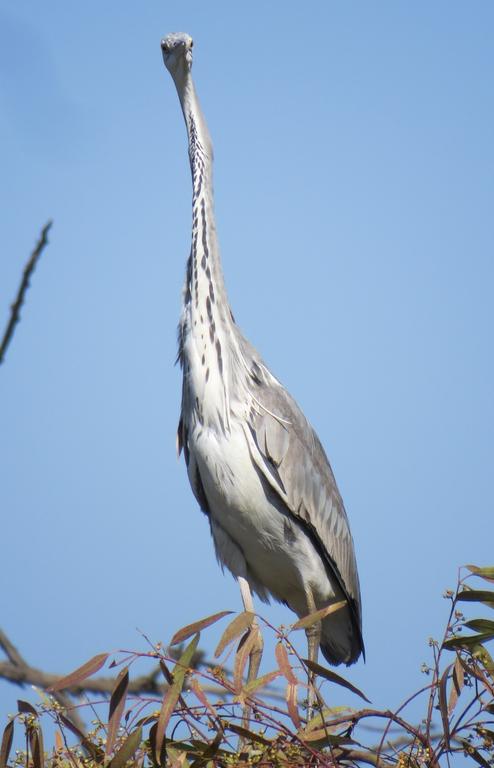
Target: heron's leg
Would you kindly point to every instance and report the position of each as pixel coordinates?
(256, 652)
(313, 634)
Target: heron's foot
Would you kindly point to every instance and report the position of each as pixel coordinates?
(255, 656)
(311, 696)
(313, 634)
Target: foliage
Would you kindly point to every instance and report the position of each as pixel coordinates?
(198, 721)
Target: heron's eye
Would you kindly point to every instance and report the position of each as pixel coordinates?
(191, 43)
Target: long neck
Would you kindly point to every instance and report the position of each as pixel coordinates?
(205, 332)
(205, 282)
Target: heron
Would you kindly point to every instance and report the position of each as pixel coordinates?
(255, 464)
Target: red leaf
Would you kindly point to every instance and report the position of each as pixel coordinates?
(443, 704)
(196, 688)
(7, 737)
(173, 693)
(284, 663)
(235, 628)
(26, 708)
(117, 703)
(313, 618)
(292, 704)
(456, 688)
(93, 749)
(36, 744)
(59, 745)
(259, 682)
(197, 626)
(243, 652)
(81, 673)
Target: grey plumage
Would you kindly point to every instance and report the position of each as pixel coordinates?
(255, 464)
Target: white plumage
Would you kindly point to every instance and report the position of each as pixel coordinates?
(255, 464)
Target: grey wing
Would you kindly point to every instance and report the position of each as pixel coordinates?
(291, 458)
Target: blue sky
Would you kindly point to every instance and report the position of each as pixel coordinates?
(354, 186)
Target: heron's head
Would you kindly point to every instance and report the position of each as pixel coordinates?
(177, 53)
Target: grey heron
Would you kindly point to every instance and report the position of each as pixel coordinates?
(255, 464)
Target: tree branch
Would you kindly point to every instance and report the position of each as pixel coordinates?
(11, 651)
(15, 310)
(17, 670)
(25, 674)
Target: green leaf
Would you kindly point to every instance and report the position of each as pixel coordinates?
(480, 625)
(81, 673)
(7, 738)
(127, 749)
(468, 641)
(183, 663)
(173, 693)
(476, 596)
(483, 655)
(259, 682)
(313, 618)
(334, 678)
(323, 737)
(147, 719)
(197, 626)
(185, 746)
(320, 720)
(175, 760)
(247, 734)
(484, 573)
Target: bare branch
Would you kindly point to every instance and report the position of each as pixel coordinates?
(15, 310)
(17, 670)
(11, 651)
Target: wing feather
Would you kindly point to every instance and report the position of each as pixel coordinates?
(288, 452)
(276, 440)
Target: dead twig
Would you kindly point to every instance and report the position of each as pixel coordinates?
(15, 310)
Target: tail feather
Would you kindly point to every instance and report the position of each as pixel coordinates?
(341, 638)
